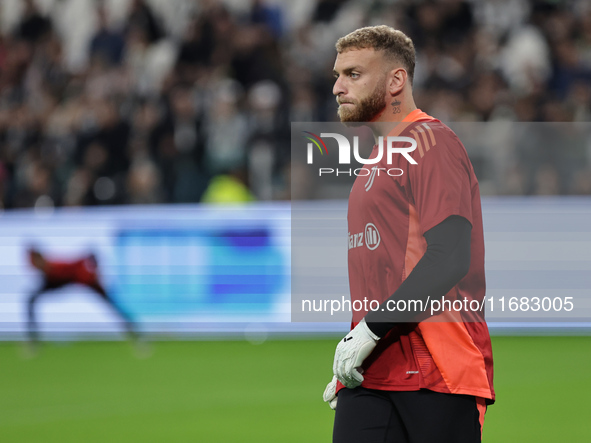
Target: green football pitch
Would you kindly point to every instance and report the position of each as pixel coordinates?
(234, 391)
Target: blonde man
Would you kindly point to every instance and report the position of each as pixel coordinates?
(399, 378)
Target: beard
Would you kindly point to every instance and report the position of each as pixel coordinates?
(365, 109)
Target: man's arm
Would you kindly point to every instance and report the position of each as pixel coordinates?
(445, 262)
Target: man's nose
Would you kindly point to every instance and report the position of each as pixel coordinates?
(339, 87)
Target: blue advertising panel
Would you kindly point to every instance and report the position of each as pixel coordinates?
(174, 269)
(195, 270)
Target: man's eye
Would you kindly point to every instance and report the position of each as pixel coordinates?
(354, 75)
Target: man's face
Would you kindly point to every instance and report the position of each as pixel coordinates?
(360, 84)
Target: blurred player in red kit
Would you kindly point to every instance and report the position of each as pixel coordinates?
(57, 274)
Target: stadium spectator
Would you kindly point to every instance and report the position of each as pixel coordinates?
(106, 44)
(33, 26)
(142, 17)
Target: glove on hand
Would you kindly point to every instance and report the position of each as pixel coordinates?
(330, 393)
(350, 353)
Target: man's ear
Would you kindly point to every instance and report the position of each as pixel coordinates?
(396, 80)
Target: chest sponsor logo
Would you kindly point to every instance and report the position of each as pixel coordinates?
(370, 238)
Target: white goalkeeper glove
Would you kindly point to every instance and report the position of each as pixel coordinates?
(330, 393)
(350, 353)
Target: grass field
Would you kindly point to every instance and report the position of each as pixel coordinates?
(234, 391)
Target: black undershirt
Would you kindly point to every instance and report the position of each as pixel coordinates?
(445, 262)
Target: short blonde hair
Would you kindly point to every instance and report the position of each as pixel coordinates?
(396, 45)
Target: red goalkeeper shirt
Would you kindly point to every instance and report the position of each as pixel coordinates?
(387, 217)
(83, 271)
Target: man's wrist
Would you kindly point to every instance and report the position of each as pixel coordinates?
(369, 330)
(378, 329)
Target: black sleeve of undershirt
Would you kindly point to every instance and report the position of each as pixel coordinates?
(445, 262)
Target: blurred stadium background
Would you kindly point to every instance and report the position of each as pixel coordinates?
(156, 134)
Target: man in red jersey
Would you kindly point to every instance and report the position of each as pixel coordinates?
(418, 237)
(57, 274)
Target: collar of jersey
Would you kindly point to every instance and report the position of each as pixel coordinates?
(417, 115)
(414, 116)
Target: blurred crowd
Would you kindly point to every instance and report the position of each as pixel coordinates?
(191, 100)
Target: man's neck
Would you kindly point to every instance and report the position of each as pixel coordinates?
(395, 111)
